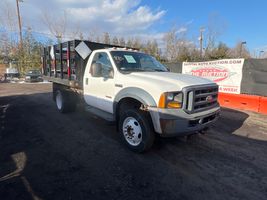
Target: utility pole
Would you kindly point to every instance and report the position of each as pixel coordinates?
(19, 20)
(260, 54)
(241, 47)
(201, 41)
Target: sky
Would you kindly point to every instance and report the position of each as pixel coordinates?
(234, 21)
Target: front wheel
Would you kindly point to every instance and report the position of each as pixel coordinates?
(136, 130)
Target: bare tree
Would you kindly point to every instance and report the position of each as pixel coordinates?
(97, 39)
(106, 38)
(129, 42)
(151, 47)
(5, 47)
(75, 33)
(94, 34)
(8, 22)
(122, 41)
(137, 43)
(239, 51)
(214, 29)
(170, 40)
(177, 46)
(81, 37)
(115, 41)
(56, 25)
(8, 17)
(155, 49)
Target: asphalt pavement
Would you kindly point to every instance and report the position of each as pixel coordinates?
(48, 155)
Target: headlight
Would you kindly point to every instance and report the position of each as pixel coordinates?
(27, 77)
(171, 100)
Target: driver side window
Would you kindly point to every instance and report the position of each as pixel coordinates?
(103, 59)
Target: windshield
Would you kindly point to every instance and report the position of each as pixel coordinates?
(34, 72)
(135, 61)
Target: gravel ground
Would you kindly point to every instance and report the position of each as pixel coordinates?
(48, 155)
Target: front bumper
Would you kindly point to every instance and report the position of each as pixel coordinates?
(172, 122)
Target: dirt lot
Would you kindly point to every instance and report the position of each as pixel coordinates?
(47, 155)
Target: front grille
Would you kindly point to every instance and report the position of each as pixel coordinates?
(201, 98)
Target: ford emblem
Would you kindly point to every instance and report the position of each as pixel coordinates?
(209, 98)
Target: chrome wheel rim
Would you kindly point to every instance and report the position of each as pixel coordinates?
(132, 131)
(59, 100)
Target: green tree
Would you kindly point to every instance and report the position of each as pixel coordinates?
(220, 52)
(184, 54)
(28, 57)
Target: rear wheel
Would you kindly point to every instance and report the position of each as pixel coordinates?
(64, 102)
(60, 101)
(136, 130)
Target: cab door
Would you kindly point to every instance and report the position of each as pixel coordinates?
(99, 90)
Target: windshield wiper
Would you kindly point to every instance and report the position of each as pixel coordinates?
(159, 70)
(132, 69)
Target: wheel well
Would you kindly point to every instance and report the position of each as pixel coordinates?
(66, 90)
(128, 103)
(56, 87)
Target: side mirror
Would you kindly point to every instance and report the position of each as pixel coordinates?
(111, 73)
(107, 72)
(168, 69)
(96, 69)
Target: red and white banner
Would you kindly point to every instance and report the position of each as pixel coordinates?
(226, 73)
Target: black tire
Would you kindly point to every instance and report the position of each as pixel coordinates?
(147, 133)
(64, 102)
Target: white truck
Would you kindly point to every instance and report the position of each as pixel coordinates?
(12, 74)
(130, 88)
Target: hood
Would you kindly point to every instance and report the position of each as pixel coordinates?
(156, 83)
(168, 81)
